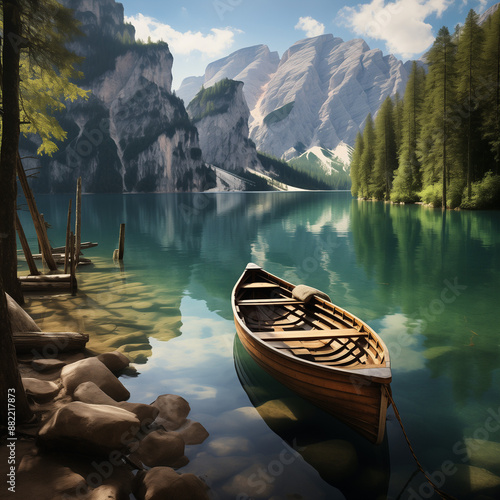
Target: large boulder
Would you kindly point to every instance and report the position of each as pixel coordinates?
(93, 370)
(88, 392)
(20, 320)
(114, 361)
(163, 482)
(89, 428)
(173, 411)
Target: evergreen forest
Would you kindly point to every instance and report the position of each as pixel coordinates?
(440, 143)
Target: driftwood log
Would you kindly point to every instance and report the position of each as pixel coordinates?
(48, 282)
(52, 342)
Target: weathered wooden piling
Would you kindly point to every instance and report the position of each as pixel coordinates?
(35, 215)
(118, 253)
(26, 248)
(68, 234)
(78, 219)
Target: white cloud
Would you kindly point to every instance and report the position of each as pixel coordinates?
(481, 7)
(212, 44)
(310, 26)
(401, 23)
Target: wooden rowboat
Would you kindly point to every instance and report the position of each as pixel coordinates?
(322, 352)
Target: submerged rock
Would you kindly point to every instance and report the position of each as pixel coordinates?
(470, 480)
(173, 411)
(89, 428)
(161, 447)
(93, 370)
(160, 483)
(192, 432)
(484, 454)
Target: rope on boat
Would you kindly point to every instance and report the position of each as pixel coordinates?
(442, 494)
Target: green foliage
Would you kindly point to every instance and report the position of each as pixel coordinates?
(367, 161)
(386, 160)
(47, 70)
(490, 101)
(290, 174)
(407, 180)
(432, 194)
(447, 127)
(279, 114)
(213, 101)
(485, 193)
(356, 164)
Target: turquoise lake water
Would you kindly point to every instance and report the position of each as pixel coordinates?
(427, 281)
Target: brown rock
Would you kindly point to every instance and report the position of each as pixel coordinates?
(160, 483)
(40, 390)
(114, 361)
(192, 432)
(108, 492)
(93, 370)
(89, 428)
(160, 448)
(41, 479)
(45, 365)
(145, 413)
(173, 411)
(88, 392)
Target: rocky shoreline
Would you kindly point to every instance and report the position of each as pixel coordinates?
(88, 442)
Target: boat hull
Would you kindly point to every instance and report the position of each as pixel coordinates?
(354, 397)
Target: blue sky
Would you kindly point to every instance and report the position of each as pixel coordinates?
(201, 31)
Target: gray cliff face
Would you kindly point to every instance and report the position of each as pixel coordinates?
(252, 65)
(132, 134)
(221, 117)
(319, 93)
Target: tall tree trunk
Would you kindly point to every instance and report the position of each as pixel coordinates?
(10, 147)
(445, 127)
(12, 395)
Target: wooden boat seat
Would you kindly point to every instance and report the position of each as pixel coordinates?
(310, 334)
(267, 302)
(264, 284)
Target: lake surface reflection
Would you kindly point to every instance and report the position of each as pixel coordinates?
(426, 281)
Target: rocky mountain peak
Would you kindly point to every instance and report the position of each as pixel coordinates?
(318, 94)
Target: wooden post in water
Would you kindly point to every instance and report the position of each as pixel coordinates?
(68, 237)
(26, 248)
(78, 219)
(121, 242)
(118, 253)
(35, 215)
(72, 271)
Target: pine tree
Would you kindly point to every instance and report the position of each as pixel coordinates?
(367, 161)
(36, 72)
(469, 65)
(437, 147)
(356, 164)
(491, 87)
(407, 180)
(386, 160)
